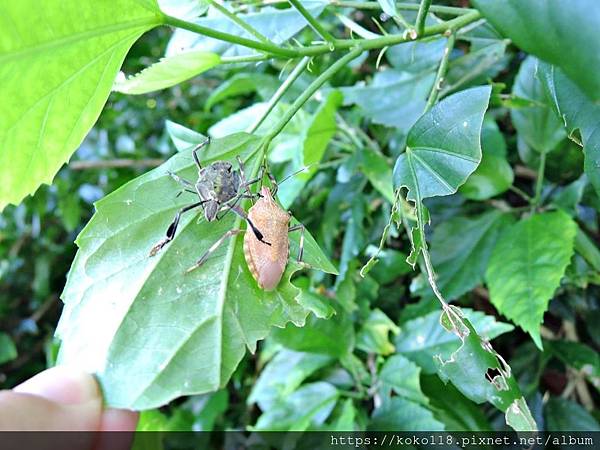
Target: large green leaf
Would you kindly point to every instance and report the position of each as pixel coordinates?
(443, 148)
(58, 61)
(562, 34)
(149, 331)
(168, 72)
(460, 251)
(421, 339)
(578, 113)
(537, 125)
(527, 265)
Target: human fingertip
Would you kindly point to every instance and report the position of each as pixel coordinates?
(62, 384)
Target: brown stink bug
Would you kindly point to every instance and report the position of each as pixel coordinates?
(266, 262)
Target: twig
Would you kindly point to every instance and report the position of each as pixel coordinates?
(441, 73)
(239, 22)
(421, 16)
(325, 35)
(115, 163)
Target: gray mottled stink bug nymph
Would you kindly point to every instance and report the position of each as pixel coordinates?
(219, 188)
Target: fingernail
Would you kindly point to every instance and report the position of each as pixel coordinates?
(63, 385)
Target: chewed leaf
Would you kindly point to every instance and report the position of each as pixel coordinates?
(481, 374)
(148, 331)
(443, 148)
(168, 72)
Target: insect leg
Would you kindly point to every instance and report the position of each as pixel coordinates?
(301, 246)
(173, 228)
(182, 181)
(240, 212)
(198, 147)
(227, 207)
(212, 248)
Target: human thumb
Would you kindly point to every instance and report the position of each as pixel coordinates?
(58, 399)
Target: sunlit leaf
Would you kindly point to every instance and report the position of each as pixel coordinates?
(168, 72)
(58, 61)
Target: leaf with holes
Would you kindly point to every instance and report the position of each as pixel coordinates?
(443, 148)
(146, 329)
(480, 374)
(58, 61)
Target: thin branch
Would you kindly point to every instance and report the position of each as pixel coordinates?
(312, 88)
(115, 164)
(239, 22)
(293, 76)
(226, 37)
(325, 35)
(402, 6)
(320, 49)
(421, 16)
(441, 73)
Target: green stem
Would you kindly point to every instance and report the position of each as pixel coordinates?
(320, 49)
(293, 76)
(313, 23)
(441, 73)
(239, 22)
(403, 6)
(312, 88)
(421, 16)
(539, 182)
(243, 59)
(216, 34)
